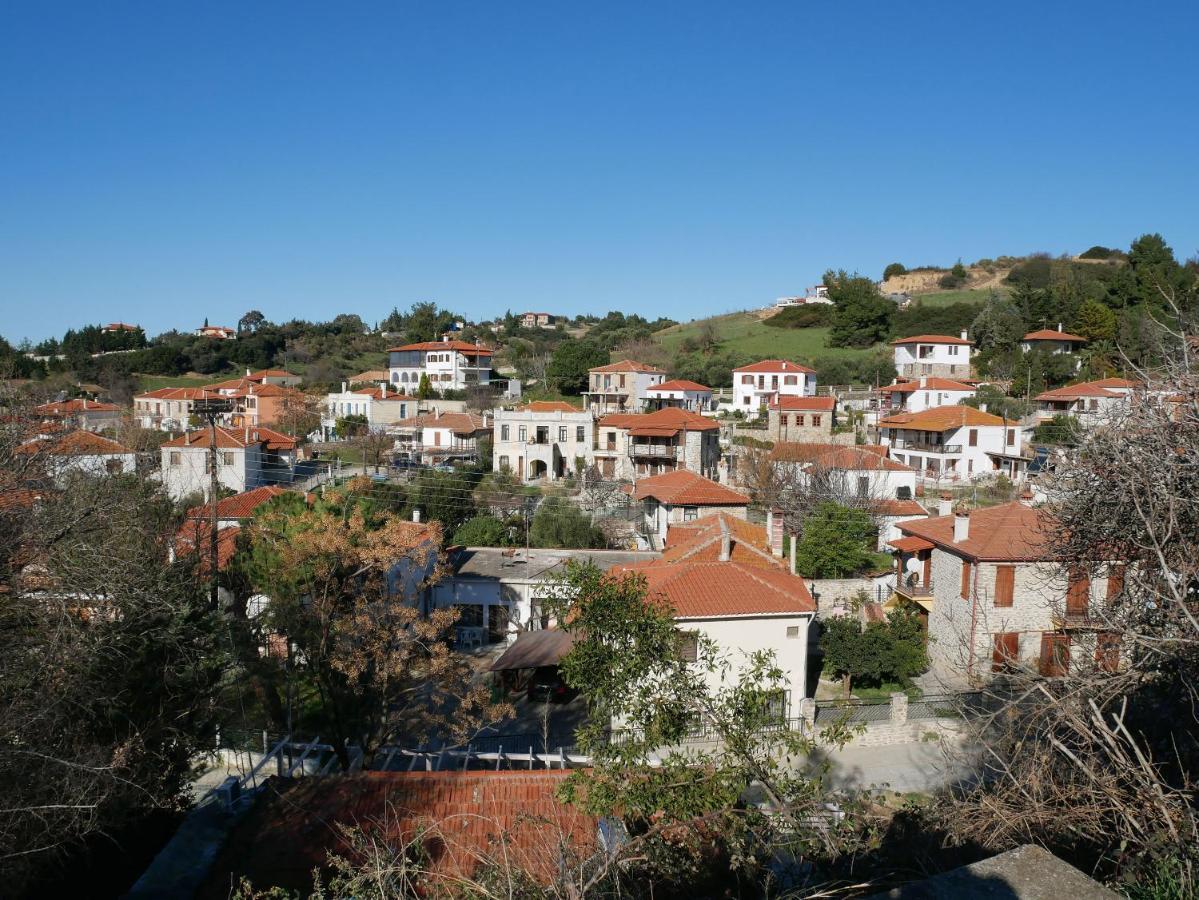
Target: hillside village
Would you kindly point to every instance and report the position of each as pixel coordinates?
(424, 539)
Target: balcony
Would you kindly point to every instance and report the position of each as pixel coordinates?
(925, 446)
(656, 450)
(913, 587)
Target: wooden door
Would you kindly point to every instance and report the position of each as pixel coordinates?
(1077, 594)
(1055, 654)
(1006, 652)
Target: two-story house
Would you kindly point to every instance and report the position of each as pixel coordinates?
(792, 418)
(682, 496)
(620, 386)
(996, 597)
(681, 393)
(1054, 341)
(255, 402)
(537, 320)
(449, 365)
(843, 470)
(1091, 402)
(955, 443)
(758, 384)
(438, 437)
(918, 394)
(933, 354)
(81, 453)
(544, 439)
(723, 582)
(629, 446)
(168, 409)
(88, 415)
(379, 405)
(245, 458)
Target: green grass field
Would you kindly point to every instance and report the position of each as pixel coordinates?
(154, 382)
(945, 298)
(747, 333)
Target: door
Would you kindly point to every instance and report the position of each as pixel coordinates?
(1006, 651)
(1077, 594)
(928, 567)
(1055, 654)
(497, 623)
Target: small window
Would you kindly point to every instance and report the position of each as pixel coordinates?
(562, 434)
(580, 433)
(792, 632)
(815, 421)
(114, 466)
(690, 513)
(227, 458)
(504, 432)
(1011, 437)
(973, 437)
(747, 379)
(790, 380)
(783, 420)
(176, 458)
(688, 645)
(522, 433)
(863, 485)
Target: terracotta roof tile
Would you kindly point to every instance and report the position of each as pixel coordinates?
(71, 407)
(377, 393)
(1048, 334)
(836, 456)
(908, 508)
(931, 339)
(234, 438)
(791, 403)
(76, 443)
(1012, 531)
(463, 347)
(627, 365)
(775, 365)
(942, 418)
(701, 590)
(685, 488)
(1104, 387)
(679, 384)
(663, 422)
(931, 383)
(239, 506)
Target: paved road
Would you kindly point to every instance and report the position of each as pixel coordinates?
(907, 768)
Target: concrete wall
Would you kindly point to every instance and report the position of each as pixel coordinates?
(743, 636)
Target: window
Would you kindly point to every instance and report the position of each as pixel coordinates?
(799, 419)
(227, 458)
(783, 420)
(690, 513)
(504, 463)
(1005, 583)
(792, 632)
(622, 381)
(114, 466)
(747, 379)
(580, 433)
(815, 421)
(863, 485)
(1006, 651)
(1078, 592)
(953, 349)
(1115, 582)
(745, 400)
(966, 573)
(973, 437)
(522, 433)
(1011, 437)
(688, 645)
(504, 431)
(562, 434)
(776, 706)
(1055, 654)
(176, 458)
(790, 380)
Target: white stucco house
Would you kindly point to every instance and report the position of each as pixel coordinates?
(449, 365)
(680, 393)
(955, 443)
(933, 354)
(1091, 402)
(544, 439)
(926, 392)
(758, 384)
(381, 405)
(246, 458)
(1055, 341)
(845, 470)
(81, 453)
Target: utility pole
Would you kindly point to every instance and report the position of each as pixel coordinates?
(211, 409)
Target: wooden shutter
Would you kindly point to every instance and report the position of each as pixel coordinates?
(965, 578)
(1006, 651)
(1055, 654)
(1078, 594)
(688, 645)
(1107, 652)
(973, 437)
(1005, 583)
(1115, 581)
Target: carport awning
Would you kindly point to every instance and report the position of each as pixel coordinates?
(910, 544)
(533, 649)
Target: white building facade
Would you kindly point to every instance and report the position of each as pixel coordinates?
(543, 440)
(449, 365)
(933, 354)
(955, 443)
(757, 385)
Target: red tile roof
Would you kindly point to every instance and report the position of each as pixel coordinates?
(462, 347)
(662, 423)
(376, 393)
(701, 539)
(931, 339)
(1048, 334)
(1011, 532)
(71, 407)
(174, 393)
(836, 456)
(791, 403)
(627, 365)
(775, 365)
(234, 438)
(462, 819)
(82, 443)
(238, 506)
(941, 418)
(908, 508)
(715, 589)
(271, 373)
(911, 544)
(930, 384)
(685, 488)
(679, 384)
(244, 387)
(1104, 387)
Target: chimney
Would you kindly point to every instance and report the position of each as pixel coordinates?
(982, 407)
(1059, 326)
(776, 533)
(945, 505)
(248, 371)
(726, 543)
(964, 337)
(383, 390)
(343, 387)
(924, 381)
(794, 541)
(961, 525)
(445, 338)
(416, 516)
(436, 413)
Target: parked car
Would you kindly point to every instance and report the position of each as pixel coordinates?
(547, 686)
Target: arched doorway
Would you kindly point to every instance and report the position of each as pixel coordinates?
(537, 469)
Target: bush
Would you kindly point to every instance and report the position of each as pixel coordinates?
(482, 531)
(837, 542)
(1098, 252)
(817, 315)
(894, 270)
(949, 281)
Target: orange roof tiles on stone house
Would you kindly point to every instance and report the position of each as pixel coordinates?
(1011, 532)
(627, 365)
(930, 383)
(195, 534)
(837, 456)
(775, 365)
(942, 418)
(662, 423)
(683, 487)
(932, 339)
(461, 819)
(234, 439)
(792, 403)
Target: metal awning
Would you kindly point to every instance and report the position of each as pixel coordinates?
(910, 544)
(533, 649)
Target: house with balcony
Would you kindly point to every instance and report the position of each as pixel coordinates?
(682, 496)
(842, 470)
(724, 582)
(379, 405)
(620, 387)
(1091, 402)
(437, 437)
(542, 440)
(950, 444)
(245, 458)
(81, 413)
(255, 402)
(166, 409)
(1054, 341)
(680, 393)
(997, 597)
(631, 446)
(933, 354)
(449, 364)
(757, 385)
(918, 394)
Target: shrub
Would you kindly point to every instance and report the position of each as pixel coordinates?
(815, 316)
(894, 270)
(1098, 252)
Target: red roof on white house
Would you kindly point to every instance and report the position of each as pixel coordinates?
(679, 384)
(932, 339)
(628, 365)
(1048, 334)
(776, 365)
(685, 488)
(463, 347)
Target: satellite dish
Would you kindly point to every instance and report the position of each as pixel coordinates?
(913, 565)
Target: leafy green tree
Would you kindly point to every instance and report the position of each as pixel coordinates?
(893, 270)
(998, 323)
(559, 523)
(443, 497)
(426, 322)
(1098, 252)
(1061, 429)
(863, 315)
(890, 651)
(837, 541)
(1040, 370)
(568, 367)
(1095, 321)
(482, 531)
(845, 653)
(250, 322)
(350, 426)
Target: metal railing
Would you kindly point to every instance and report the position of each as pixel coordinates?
(926, 446)
(911, 588)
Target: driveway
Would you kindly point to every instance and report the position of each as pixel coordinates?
(920, 767)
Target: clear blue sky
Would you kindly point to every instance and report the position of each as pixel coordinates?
(164, 162)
